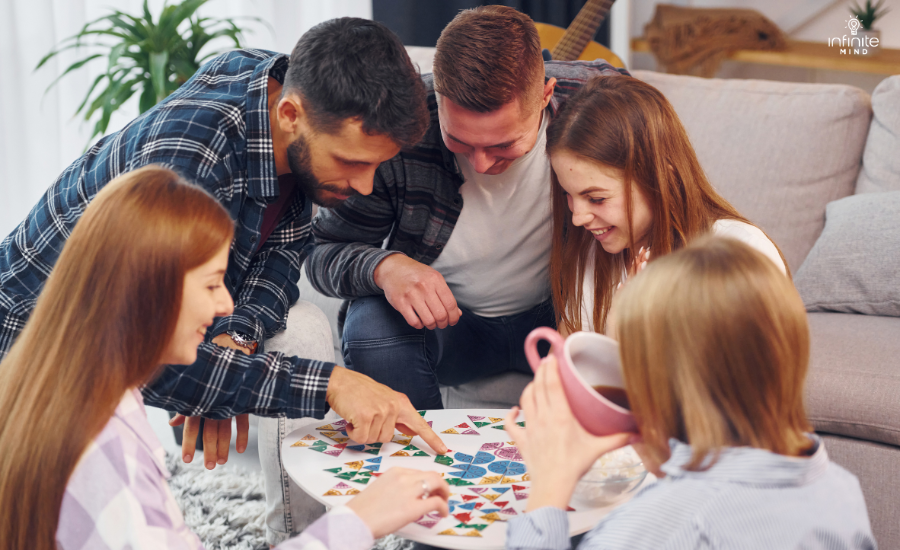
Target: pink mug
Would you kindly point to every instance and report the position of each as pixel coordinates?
(586, 360)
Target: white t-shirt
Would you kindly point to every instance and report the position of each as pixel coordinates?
(497, 259)
(738, 230)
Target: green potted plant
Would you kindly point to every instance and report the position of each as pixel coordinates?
(152, 57)
(867, 16)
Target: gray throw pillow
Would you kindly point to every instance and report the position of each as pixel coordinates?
(881, 163)
(854, 267)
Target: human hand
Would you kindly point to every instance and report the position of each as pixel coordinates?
(557, 450)
(418, 292)
(639, 263)
(216, 433)
(216, 437)
(373, 410)
(398, 497)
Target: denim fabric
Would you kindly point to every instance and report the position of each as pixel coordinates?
(379, 343)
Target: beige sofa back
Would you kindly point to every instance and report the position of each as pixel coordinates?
(778, 151)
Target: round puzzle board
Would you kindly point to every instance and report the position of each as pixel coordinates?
(489, 481)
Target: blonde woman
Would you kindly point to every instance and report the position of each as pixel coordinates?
(626, 184)
(136, 286)
(714, 348)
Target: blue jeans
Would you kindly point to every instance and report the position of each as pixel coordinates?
(378, 342)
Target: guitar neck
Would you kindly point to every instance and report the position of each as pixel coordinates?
(582, 30)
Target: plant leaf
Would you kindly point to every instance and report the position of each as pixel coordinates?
(72, 67)
(147, 100)
(158, 62)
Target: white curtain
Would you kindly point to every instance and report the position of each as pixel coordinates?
(39, 136)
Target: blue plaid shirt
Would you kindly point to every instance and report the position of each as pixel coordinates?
(214, 131)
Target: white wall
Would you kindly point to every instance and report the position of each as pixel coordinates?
(38, 135)
(809, 20)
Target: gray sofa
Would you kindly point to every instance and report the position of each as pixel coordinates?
(781, 152)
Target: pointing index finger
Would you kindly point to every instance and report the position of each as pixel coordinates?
(420, 427)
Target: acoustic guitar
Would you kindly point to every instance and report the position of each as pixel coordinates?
(575, 42)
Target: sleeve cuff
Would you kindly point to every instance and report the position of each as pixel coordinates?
(544, 529)
(371, 261)
(339, 528)
(238, 323)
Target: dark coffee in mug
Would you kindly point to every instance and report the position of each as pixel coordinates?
(614, 394)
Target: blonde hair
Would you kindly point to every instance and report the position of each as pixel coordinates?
(100, 326)
(715, 347)
(628, 125)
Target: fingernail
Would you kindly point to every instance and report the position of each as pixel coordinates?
(221, 461)
(241, 449)
(210, 465)
(187, 458)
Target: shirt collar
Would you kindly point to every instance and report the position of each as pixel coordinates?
(132, 413)
(750, 466)
(262, 177)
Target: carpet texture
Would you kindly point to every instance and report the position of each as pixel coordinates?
(227, 507)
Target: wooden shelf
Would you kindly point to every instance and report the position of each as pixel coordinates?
(811, 55)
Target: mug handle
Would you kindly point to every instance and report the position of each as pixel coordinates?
(535, 336)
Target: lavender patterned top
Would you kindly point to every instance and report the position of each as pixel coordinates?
(118, 497)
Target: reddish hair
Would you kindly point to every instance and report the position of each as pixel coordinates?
(487, 57)
(627, 125)
(714, 344)
(100, 326)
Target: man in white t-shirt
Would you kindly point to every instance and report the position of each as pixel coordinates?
(446, 262)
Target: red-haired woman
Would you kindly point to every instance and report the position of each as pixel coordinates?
(137, 284)
(626, 181)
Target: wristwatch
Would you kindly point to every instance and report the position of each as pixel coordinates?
(243, 340)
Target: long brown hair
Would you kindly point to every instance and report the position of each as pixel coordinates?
(100, 326)
(714, 343)
(629, 126)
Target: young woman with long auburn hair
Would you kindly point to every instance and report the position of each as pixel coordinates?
(625, 181)
(714, 346)
(135, 287)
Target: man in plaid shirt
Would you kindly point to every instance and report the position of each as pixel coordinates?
(268, 136)
(445, 265)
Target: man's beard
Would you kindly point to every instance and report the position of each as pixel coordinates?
(301, 166)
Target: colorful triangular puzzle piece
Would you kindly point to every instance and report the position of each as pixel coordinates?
(443, 459)
(490, 480)
(326, 427)
(400, 453)
(449, 532)
(463, 425)
(300, 444)
(450, 431)
(308, 437)
(355, 465)
(457, 481)
(374, 460)
(494, 420)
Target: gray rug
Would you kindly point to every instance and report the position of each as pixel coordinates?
(226, 507)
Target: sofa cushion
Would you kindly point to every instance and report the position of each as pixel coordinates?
(853, 266)
(881, 163)
(854, 376)
(778, 151)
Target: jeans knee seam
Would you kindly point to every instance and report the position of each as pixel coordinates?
(379, 342)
